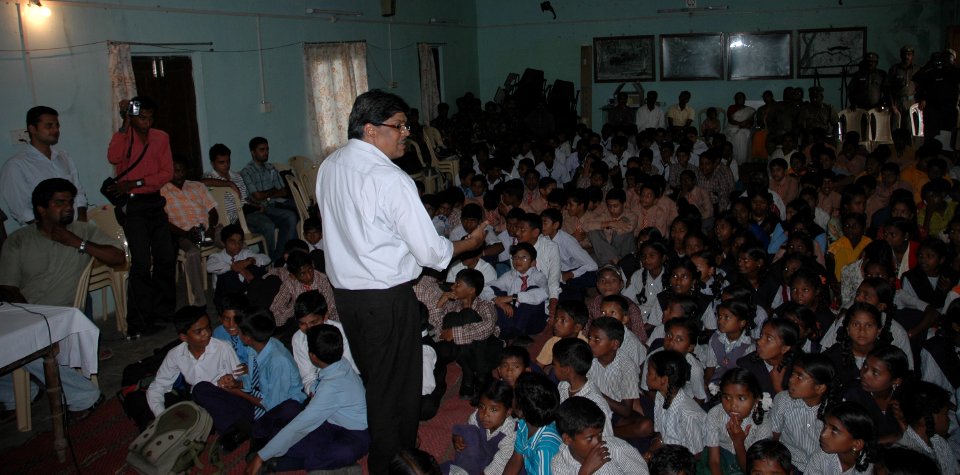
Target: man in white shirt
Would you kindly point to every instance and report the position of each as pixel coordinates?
(375, 224)
(36, 162)
(650, 116)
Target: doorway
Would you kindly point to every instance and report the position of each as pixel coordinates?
(168, 80)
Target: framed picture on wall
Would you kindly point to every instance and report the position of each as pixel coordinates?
(765, 55)
(623, 58)
(828, 52)
(691, 57)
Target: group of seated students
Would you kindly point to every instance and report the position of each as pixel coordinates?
(788, 315)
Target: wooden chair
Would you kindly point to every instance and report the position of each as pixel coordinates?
(102, 276)
(220, 194)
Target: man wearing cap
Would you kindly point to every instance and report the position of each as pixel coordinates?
(815, 114)
(902, 87)
(867, 87)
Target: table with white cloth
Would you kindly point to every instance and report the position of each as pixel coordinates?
(70, 340)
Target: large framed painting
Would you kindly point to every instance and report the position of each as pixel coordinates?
(826, 53)
(623, 59)
(691, 57)
(764, 55)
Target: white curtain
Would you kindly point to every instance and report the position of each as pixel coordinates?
(122, 83)
(429, 90)
(335, 75)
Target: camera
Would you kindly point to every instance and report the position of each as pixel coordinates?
(133, 109)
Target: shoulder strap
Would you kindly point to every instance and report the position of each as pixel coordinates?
(137, 162)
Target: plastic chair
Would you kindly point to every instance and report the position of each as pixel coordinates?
(101, 275)
(916, 122)
(855, 120)
(220, 194)
(880, 127)
(302, 210)
(431, 180)
(450, 166)
(721, 116)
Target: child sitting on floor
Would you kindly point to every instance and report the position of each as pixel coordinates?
(572, 363)
(311, 310)
(228, 331)
(570, 321)
(580, 423)
(768, 457)
(485, 443)
(514, 361)
(519, 294)
(335, 419)
(304, 278)
(537, 439)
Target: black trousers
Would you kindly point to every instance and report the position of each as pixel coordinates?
(383, 327)
(152, 294)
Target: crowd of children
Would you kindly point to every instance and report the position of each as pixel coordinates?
(688, 313)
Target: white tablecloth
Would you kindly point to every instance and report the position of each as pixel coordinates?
(22, 333)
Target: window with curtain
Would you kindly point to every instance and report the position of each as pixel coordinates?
(123, 84)
(429, 88)
(336, 73)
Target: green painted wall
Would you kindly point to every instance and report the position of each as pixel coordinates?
(516, 35)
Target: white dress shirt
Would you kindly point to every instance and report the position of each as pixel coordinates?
(218, 359)
(548, 261)
(489, 273)
(573, 257)
(308, 372)
(650, 119)
(219, 262)
(376, 231)
(23, 171)
(624, 460)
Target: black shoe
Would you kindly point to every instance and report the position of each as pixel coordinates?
(234, 437)
(77, 416)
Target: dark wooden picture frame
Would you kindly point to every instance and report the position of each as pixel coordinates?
(826, 52)
(624, 58)
(760, 55)
(691, 57)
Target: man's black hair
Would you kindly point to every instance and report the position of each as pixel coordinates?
(187, 316)
(218, 150)
(326, 343)
(310, 302)
(296, 261)
(524, 246)
(44, 191)
(537, 398)
(575, 353)
(533, 219)
(257, 323)
(373, 107)
(471, 278)
(518, 352)
(672, 460)
(33, 115)
(256, 142)
(578, 414)
(611, 327)
(146, 103)
(471, 211)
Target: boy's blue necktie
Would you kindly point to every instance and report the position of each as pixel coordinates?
(258, 411)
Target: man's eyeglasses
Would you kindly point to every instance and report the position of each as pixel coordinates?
(401, 126)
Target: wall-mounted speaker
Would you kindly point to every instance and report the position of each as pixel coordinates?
(388, 7)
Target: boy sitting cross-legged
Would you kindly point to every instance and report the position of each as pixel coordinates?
(572, 317)
(331, 431)
(469, 331)
(519, 294)
(303, 277)
(311, 310)
(581, 424)
(235, 266)
(572, 361)
(537, 440)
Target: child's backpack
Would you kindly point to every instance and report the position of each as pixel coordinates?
(173, 442)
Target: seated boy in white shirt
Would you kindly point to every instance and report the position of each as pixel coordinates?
(580, 424)
(519, 294)
(235, 266)
(310, 310)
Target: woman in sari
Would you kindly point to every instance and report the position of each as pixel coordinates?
(740, 127)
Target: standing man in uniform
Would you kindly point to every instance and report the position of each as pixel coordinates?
(379, 237)
(902, 87)
(146, 150)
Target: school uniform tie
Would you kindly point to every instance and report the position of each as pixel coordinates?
(236, 343)
(258, 411)
(523, 283)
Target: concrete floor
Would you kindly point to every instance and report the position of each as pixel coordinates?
(124, 353)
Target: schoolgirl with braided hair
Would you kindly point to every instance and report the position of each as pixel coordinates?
(926, 410)
(807, 288)
(731, 341)
(862, 330)
(772, 362)
(712, 278)
(847, 442)
(648, 281)
(680, 335)
(735, 423)
(797, 415)
(677, 419)
(807, 323)
(744, 293)
(882, 378)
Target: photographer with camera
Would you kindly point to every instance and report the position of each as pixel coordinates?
(142, 164)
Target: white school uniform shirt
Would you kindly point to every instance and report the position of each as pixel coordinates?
(511, 283)
(572, 163)
(931, 372)
(715, 430)
(218, 359)
(308, 372)
(619, 380)
(681, 423)
(906, 297)
(504, 447)
(557, 172)
(548, 261)
(823, 463)
(489, 273)
(941, 451)
(219, 263)
(376, 232)
(573, 257)
(694, 386)
(624, 460)
(798, 426)
(590, 391)
(708, 357)
(429, 363)
(507, 240)
(651, 288)
(650, 119)
(633, 348)
(900, 338)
